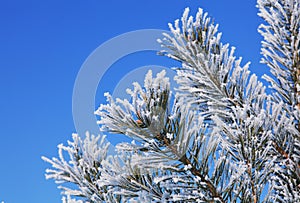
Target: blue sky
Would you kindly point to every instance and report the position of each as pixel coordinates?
(42, 47)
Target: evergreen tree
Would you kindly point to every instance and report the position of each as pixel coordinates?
(222, 139)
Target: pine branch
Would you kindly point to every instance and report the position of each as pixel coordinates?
(81, 168)
(223, 140)
(281, 49)
(220, 89)
(210, 77)
(167, 141)
(210, 186)
(285, 155)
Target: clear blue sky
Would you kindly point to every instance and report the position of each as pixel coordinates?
(42, 47)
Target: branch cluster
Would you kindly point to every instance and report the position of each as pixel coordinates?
(221, 139)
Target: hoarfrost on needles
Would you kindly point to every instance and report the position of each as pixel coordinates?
(223, 138)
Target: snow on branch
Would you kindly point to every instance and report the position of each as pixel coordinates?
(281, 47)
(81, 167)
(210, 77)
(214, 82)
(281, 52)
(146, 116)
(97, 177)
(221, 139)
